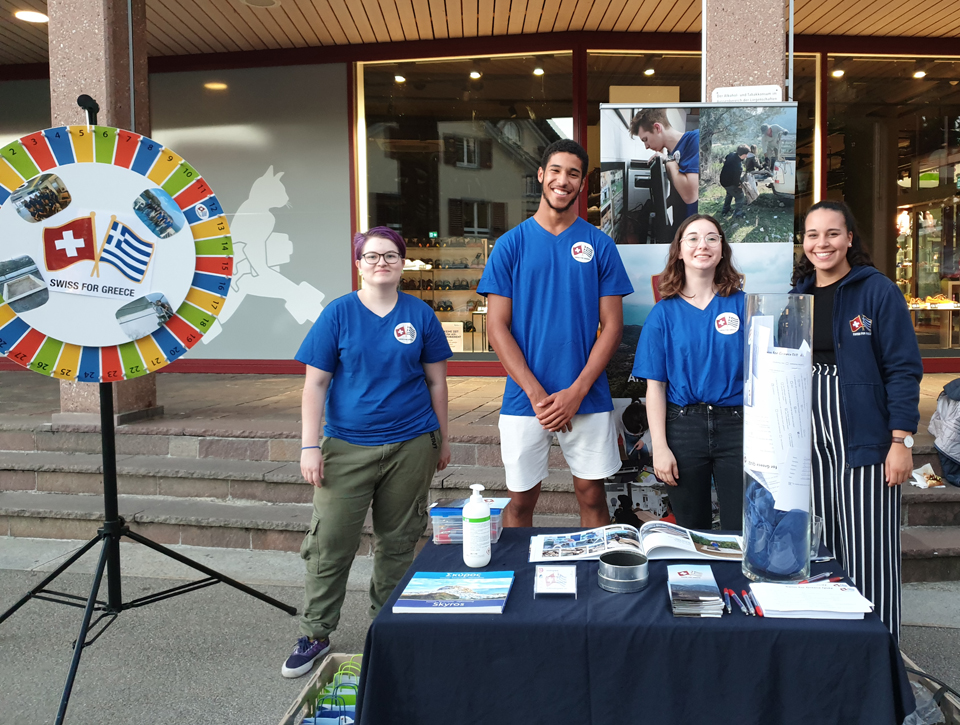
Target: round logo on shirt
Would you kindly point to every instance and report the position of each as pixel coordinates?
(582, 252)
(727, 323)
(405, 332)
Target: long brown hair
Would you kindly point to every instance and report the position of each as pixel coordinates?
(726, 276)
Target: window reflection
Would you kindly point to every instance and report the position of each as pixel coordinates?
(452, 152)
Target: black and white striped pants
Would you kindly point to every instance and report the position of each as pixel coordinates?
(861, 514)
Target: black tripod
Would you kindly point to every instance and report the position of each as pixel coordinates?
(109, 535)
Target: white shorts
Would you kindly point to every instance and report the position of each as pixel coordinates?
(590, 449)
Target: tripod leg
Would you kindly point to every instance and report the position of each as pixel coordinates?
(210, 572)
(53, 575)
(82, 637)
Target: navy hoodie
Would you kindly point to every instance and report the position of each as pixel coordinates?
(878, 362)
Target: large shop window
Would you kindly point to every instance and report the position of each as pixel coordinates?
(452, 151)
(894, 157)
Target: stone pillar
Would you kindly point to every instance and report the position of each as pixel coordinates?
(90, 53)
(744, 44)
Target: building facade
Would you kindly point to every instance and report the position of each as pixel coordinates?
(315, 119)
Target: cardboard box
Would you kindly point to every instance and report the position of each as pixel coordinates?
(320, 678)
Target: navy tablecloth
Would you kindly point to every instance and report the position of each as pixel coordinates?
(605, 659)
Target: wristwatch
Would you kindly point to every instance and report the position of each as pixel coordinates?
(907, 441)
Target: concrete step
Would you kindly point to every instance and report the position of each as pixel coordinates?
(167, 520)
(224, 479)
(268, 441)
(930, 506)
(930, 553)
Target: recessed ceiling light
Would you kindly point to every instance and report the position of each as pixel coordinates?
(838, 73)
(30, 16)
(538, 71)
(649, 72)
(215, 86)
(475, 74)
(399, 78)
(261, 3)
(919, 74)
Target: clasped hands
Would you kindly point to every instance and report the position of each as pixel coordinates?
(555, 411)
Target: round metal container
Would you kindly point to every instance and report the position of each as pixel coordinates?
(622, 571)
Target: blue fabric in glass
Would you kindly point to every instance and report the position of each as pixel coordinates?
(778, 543)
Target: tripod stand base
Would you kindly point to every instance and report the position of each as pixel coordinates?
(109, 537)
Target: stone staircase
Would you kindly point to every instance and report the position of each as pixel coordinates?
(203, 483)
(191, 482)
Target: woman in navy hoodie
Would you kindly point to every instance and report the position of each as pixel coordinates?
(866, 396)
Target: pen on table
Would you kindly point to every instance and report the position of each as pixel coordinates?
(756, 604)
(818, 577)
(726, 596)
(746, 598)
(739, 603)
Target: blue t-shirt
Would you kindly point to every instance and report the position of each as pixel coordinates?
(698, 353)
(378, 392)
(555, 283)
(689, 148)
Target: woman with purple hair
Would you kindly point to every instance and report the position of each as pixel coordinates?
(377, 377)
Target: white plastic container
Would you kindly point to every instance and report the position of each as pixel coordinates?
(476, 530)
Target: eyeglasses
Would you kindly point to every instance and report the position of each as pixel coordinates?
(692, 241)
(372, 258)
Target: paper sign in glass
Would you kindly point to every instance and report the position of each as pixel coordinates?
(777, 429)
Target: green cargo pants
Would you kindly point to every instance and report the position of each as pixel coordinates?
(393, 478)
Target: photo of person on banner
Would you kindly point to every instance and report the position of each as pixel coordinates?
(749, 186)
(649, 172)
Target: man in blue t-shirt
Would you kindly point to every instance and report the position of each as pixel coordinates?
(550, 283)
(679, 151)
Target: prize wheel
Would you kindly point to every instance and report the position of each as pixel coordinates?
(115, 255)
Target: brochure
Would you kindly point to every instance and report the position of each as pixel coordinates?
(655, 539)
(693, 591)
(819, 600)
(459, 592)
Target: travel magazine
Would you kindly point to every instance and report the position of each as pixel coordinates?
(655, 539)
(455, 592)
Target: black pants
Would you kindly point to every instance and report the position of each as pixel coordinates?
(707, 441)
(861, 514)
(733, 192)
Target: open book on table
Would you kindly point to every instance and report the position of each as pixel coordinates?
(655, 539)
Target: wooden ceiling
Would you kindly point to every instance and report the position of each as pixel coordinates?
(187, 27)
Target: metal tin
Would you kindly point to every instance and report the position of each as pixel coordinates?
(622, 571)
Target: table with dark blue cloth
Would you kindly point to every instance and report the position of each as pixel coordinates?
(606, 659)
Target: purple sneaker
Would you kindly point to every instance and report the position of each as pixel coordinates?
(307, 651)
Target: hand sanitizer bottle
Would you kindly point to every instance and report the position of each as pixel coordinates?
(476, 530)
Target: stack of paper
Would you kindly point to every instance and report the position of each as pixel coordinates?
(693, 591)
(820, 600)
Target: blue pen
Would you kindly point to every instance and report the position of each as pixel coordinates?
(726, 596)
(739, 603)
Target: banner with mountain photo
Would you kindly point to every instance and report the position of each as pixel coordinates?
(660, 163)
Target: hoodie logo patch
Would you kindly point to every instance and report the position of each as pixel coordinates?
(861, 325)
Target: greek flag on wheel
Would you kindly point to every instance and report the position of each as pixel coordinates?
(127, 252)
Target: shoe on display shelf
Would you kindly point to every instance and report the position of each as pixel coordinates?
(305, 653)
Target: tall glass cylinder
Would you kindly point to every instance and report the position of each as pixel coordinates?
(777, 428)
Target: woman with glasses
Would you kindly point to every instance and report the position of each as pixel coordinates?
(377, 377)
(691, 354)
(866, 398)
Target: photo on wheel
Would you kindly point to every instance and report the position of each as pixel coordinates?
(41, 198)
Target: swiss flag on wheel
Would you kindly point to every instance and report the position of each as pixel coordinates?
(68, 244)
